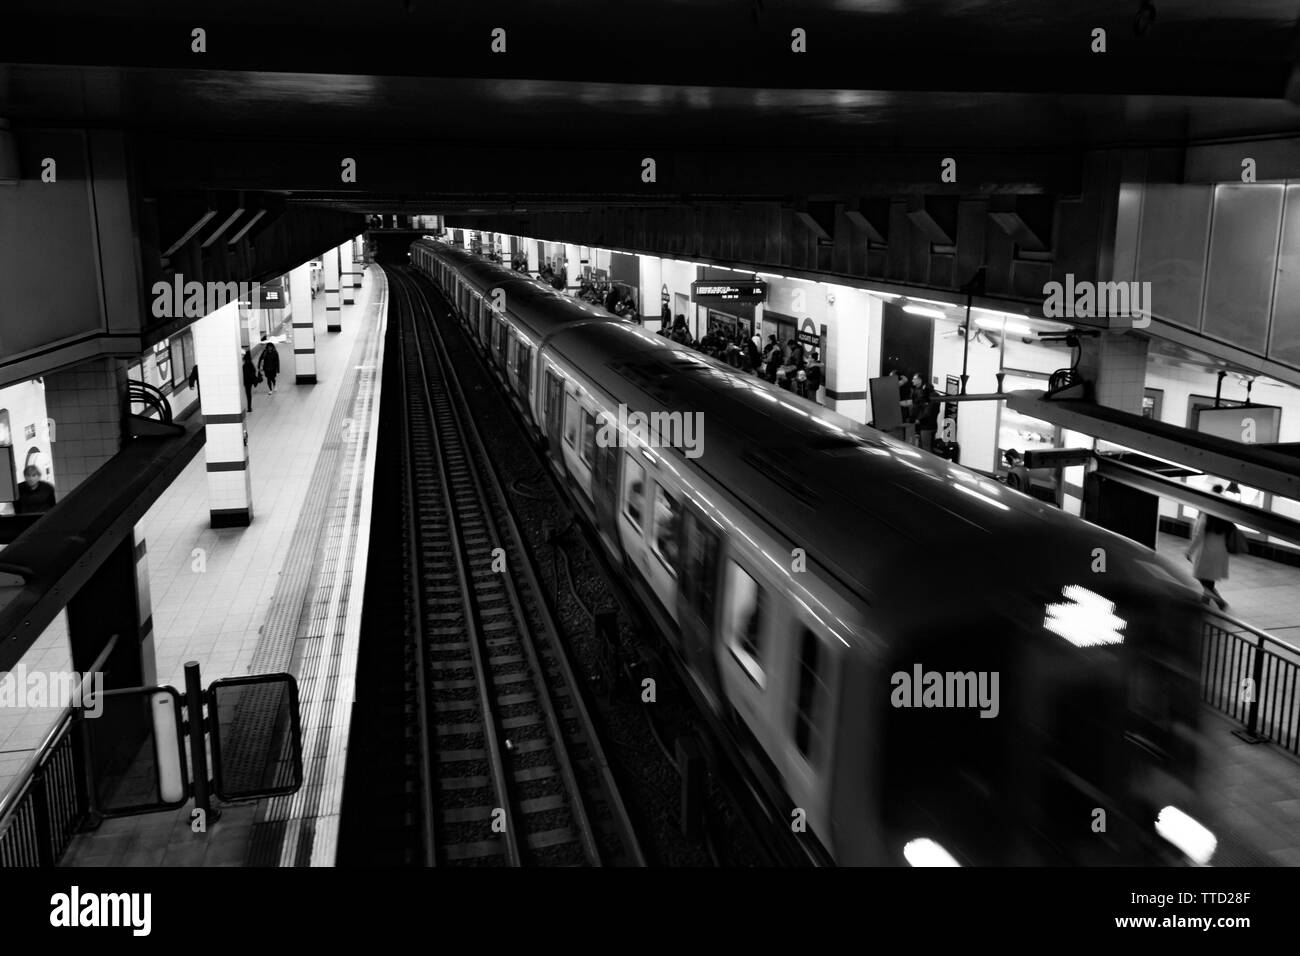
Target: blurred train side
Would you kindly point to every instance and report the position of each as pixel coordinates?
(873, 559)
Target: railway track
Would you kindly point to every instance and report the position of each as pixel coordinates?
(511, 771)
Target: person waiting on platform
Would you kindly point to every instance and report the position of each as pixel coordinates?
(251, 377)
(1213, 539)
(34, 495)
(815, 372)
(925, 411)
(1017, 473)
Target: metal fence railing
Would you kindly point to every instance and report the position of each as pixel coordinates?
(1253, 678)
(48, 801)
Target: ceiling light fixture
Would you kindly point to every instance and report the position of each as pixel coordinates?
(922, 310)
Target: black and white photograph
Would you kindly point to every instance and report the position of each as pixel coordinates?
(676, 435)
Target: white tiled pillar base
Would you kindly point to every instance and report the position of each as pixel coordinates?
(144, 602)
(849, 321)
(333, 319)
(344, 253)
(217, 351)
(304, 331)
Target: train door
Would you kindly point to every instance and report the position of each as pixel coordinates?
(665, 546)
(524, 373)
(502, 337)
(808, 720)
(554, 423)
(604, 491)
(579, 441)
(632, 513)
(745, 641)
(696, 615)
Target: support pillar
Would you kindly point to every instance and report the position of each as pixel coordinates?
(650, 295)
(848, 321)
(572, 266)
(86, 404)
(533, 248)
(344, 254)
(216, 348)
(144, 609)
(358, 265)
(304, 329)
(333, 317)
(1117, 366)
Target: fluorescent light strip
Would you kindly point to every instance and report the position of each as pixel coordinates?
(922, 310)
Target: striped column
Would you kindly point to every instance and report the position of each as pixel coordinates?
(344, 252)
(844, 357)
(219, 356)
(333, 319)
(144, 603)
(358, 260)
(304, 331)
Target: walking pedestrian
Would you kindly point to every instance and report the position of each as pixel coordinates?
(268, 362)
(250, 377)
(1213, 539)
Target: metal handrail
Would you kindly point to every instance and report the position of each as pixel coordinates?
(1241, 657)
(150, 396)
(11, 800)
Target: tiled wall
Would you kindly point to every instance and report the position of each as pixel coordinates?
(85, 403)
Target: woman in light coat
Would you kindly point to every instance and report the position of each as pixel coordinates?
(1208, 552)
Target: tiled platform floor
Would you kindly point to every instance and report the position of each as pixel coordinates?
(215, 615)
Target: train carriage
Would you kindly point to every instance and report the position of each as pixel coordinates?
(806, 568)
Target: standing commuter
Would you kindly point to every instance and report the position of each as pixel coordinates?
(774, 359)
(250, 378)
(268, 363)
(925, 411)
(1017, 473)
(1213, 539)
(34, 495)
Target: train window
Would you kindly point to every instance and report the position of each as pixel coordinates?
(700, 581)
(571, 410)
(554, 403)
(501, 342)
(811, 700)
(667, 518)
(588, 450)
(743, 627)
(633, 491)
(525, 369)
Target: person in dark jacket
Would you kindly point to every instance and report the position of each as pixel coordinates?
(925, 411)
(34, 495)
(250, 378)
(815, 372)
(268, 363)
(774, 361)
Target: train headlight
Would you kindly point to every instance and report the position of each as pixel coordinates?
(1186, 834)
(925, 852)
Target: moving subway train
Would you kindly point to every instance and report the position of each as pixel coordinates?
(923, 665)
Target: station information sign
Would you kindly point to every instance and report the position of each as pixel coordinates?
(704, 291)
